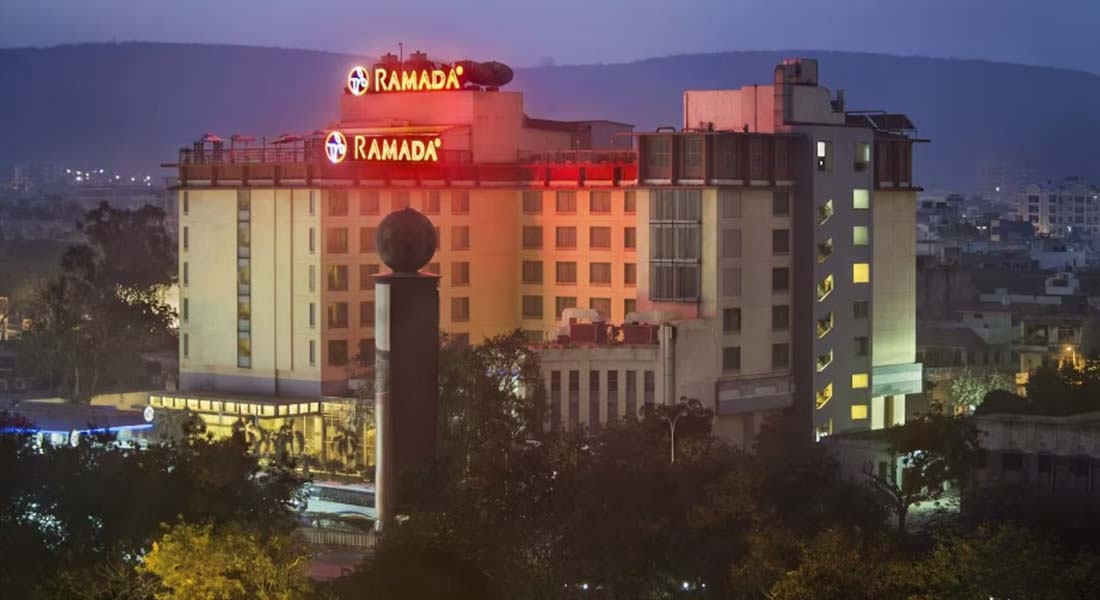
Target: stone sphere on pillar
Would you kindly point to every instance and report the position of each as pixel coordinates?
(405, 240)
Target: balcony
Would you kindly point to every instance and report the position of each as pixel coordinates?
(824, 250)
(824, 325)
(822, 397)
(825, 288)
(824, 212)
(824, 360)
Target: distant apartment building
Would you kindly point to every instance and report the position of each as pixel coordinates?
(760, 257)
(1061, 209)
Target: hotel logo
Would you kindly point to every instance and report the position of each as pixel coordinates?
(358, 81)
(336, 147)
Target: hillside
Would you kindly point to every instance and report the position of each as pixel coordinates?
(131, 106)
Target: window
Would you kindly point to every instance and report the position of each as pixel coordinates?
(862, 156)
(431, 202)
(366, 351)
(565, 237)
(859, 412)
(599, 202)
(532, 272)
(630, 205)
(612, 395)
(186, 203)
(823, 396)
(781, 203)
(599, 238)
(630, 305)
(532, 237)
(565, 272)
(861, 273)
(312, 278)
(824, 250)
(658, 152)
(825, 325)
(574, 399)
(460, 274)
(692, 155)
(367, 240)
(337, 278)
(399, 199)
(731, 243)
(338, 203)
(366, 276)
(781, 241)
(460, 202)
(532, 307)
(824, 155)
(781, 356)
(824, 360)
(781, 317)
(860, 346)
(731, 281)
(860, 381)
(861, 309)
(186, 274)
(460, 310)
(601, 305)
(861, 199)
(432, 268)
(186, 310)
(186, 238)
(532, 202)
(730, 203)
(860, 235)
(244, 350)
(676, 245)
(563, 302)
(366, 314)
(731, 358)
(630, 274)
(368, 202)
(630, 238)
(186, 344)
(312, 202)
(337, 353)
(460, 237)
(781, 279)
(731, 320)
(337, 240)
(565, 202)
(555, 399)
(599, 273)
(338, 315)
(594, 400)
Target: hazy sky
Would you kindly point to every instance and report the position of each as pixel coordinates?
(524, 32)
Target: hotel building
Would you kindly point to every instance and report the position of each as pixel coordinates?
(759, 257)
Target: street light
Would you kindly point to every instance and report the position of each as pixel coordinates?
(670, 415)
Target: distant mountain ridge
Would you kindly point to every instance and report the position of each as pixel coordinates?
(131, 106)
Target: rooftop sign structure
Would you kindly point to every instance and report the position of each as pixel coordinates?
(387, 79)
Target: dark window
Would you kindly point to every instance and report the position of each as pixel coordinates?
(337, 240)
(781, 241)
(599, 202)
(338, 203)
(366, 240)
(366, 313)
(781, 356)
(781, 203)
(565, 272)
(532, 237)
(337, 278)
(565, 202)
(781, 316)
(861, 309)
(532, 272)
(781, 279)
(563, 302)
(366, 276)
(460, 310)
(731, 358)
(368, 202)
(460, 274)
(532, 202)
(338, 315)
(599, 273)
(731, 320)
(532, 307)
(337, 353)
(460, 203)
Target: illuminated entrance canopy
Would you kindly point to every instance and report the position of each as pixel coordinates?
(382, 79)
(381, 148)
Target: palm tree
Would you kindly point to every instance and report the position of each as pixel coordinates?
(347, 444)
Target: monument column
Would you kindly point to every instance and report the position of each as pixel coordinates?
(406, 355)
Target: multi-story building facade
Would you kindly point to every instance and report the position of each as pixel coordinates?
(1060, 209)
(741, 251)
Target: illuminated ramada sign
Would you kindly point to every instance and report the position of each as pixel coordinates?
(382, 148)
(361, 81)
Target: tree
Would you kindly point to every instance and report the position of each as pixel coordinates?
(934, 451)
(134, 248)
(684, 420)
(97, 316)
(839, 566)
(970, 388)
(227, 562)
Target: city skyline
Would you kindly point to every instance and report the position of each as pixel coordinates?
(981, 29)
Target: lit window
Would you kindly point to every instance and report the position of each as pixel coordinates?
(860, 381)
(861, 273)
(823, 396)
(859, 412)
(824, 156)
(860, 235)
(861, 199)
